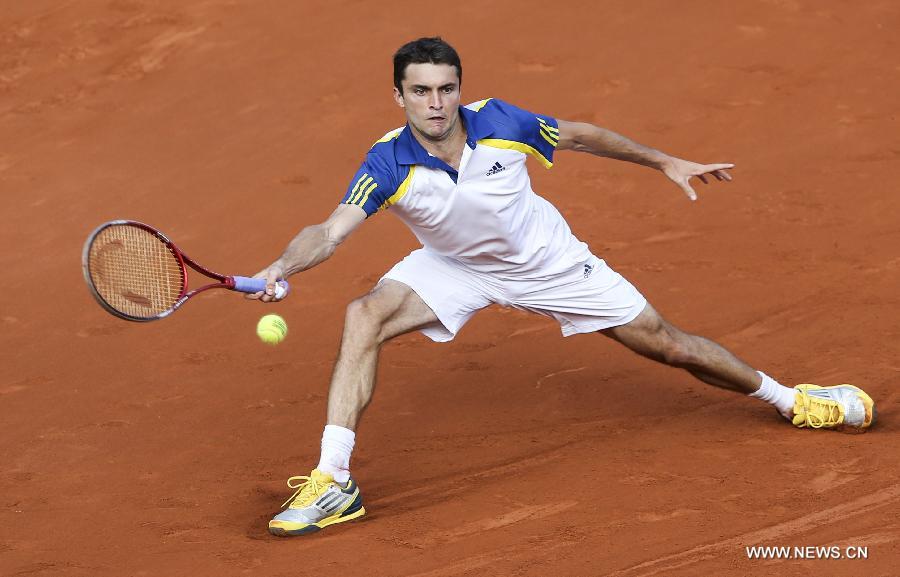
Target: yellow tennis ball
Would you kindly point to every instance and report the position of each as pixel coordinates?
(271, 329)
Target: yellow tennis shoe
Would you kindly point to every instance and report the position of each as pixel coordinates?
(318, 501)
(841, 406)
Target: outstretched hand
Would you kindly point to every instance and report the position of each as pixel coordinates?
(681, 171)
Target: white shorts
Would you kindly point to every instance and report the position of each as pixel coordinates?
(586, 298)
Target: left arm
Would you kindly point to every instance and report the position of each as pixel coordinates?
(584, 137)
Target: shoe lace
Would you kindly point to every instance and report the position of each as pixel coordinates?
(307, 490)
(821, 413)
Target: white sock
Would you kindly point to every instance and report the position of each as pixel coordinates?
(337, 445)
(771, 391)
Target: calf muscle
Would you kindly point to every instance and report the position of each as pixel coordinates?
(653, 337)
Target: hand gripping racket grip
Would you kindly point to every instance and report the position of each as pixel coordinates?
(246, 284)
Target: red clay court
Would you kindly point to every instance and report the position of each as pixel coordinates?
(163, 449)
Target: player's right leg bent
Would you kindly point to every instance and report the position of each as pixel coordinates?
(424, 292)
(328, 495)
(389, 310)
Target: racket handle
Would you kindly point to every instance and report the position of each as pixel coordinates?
(246, 284)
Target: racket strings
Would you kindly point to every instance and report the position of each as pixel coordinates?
(134, 271)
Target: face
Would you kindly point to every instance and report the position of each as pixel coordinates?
(430, 99)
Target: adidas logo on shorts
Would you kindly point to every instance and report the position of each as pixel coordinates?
(495, 169)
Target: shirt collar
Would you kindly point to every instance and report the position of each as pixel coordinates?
(409, 151)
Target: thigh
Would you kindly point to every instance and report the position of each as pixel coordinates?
(398, 308)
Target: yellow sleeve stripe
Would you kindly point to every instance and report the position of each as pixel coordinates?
(361, 185)
(479, 105)
(547, 126)
(365, 196)
(401, 190)
(552, 142)
(548, 133)
(360, 188)
(355, 188)
(551, 138)
(513, 145)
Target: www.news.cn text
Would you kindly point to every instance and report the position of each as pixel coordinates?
(807, 552)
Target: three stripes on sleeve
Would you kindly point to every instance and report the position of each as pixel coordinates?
(548, 133)
(359, 194)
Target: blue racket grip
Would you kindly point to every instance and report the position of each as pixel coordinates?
(246, 284)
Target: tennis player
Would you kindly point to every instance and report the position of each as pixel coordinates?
(457, 177)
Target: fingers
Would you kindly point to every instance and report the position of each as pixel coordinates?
(716, 170)
(273, 274)
(719, 171)
(686, 187)
(276, 287)
(682, 171)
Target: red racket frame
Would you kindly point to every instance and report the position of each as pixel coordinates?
(184, 260)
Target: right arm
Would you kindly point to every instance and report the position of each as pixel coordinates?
(312, 246)
(370, 189)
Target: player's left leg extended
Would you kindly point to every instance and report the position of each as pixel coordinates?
(652, 336)
(810, 406)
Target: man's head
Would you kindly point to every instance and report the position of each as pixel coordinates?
(424, 51)
(427, 78)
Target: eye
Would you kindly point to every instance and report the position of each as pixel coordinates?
(419, 91)
(448, 89)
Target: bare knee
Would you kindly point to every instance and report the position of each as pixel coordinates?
(653, 337)
(364, 321)
(676, 348)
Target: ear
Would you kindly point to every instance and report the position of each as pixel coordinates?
(398, 98)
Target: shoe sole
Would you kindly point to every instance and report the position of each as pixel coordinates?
(282, 532)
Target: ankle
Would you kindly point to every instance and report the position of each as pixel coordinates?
(337, 447)
(776, 394)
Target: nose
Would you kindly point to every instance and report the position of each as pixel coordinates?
(436, 102)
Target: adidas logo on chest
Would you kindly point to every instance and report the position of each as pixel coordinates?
(495, 169)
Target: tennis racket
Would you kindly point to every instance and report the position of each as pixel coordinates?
(136, 273)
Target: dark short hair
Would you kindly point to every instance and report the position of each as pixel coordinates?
(424, 51)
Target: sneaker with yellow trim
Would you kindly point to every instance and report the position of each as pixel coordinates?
(319, 501)
(841, 406)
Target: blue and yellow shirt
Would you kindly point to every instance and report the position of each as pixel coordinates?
(485, 214)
